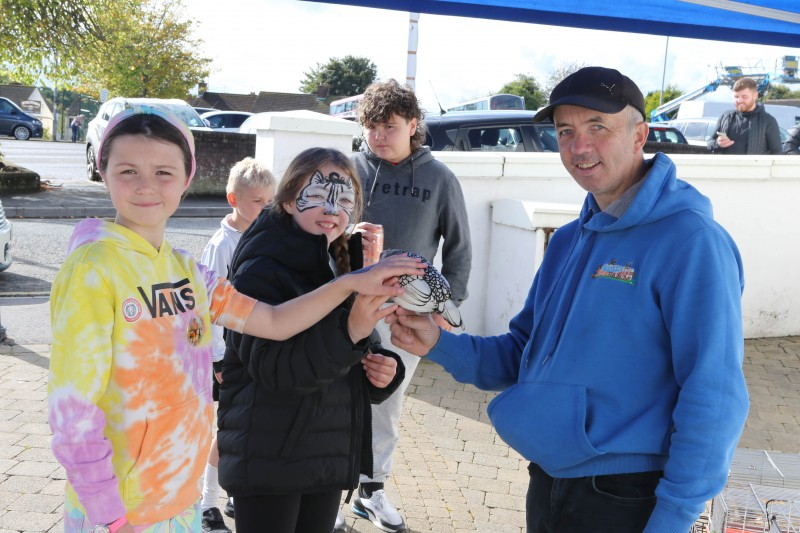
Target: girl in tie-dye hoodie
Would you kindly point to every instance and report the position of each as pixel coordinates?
(129, 386)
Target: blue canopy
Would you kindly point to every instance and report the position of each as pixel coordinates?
(772, 22)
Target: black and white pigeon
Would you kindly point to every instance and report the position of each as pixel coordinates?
(429, 293)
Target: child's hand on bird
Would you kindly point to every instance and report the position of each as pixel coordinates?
(380, 279)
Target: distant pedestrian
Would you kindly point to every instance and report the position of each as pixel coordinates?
(748, 129)
(76, 125)
(792, 144)
(250, 188)
(129, 392)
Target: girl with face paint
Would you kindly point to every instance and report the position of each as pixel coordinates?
(295, 416)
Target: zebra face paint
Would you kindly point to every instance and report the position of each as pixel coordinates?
(331, 193)
(325, 205)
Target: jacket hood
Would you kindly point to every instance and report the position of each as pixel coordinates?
(420, 156)
(264, 238)
(94, 230)
(661, 195)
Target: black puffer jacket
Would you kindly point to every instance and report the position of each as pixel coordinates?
(294, 416)
(754, 132)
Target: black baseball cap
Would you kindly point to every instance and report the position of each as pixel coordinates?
(602, 89)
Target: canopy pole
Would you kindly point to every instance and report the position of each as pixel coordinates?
(663, 74)
(411, 63)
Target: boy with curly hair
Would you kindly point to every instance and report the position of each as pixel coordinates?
(419, 202)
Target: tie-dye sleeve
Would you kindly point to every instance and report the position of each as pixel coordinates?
(82, 317)
(229, 308)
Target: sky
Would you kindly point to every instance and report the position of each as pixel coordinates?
(268, 45)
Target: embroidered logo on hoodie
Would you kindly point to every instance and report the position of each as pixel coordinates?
(611, 270)
(131, 309)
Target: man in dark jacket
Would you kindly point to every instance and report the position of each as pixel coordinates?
(748, 129)
(792, 144)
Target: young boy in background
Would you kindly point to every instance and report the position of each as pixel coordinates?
(250, 188)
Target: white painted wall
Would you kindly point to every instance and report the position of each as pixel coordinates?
(753, 198)
(509, 196)
(282, 135)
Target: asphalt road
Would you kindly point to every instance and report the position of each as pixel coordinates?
(53, 161)
(40, 249)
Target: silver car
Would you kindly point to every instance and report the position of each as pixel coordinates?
(97, 126)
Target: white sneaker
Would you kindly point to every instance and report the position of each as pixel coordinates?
(339, 525)
(378, 510)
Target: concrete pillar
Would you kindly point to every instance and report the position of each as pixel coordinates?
(282, 135)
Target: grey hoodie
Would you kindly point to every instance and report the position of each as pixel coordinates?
(417, 201)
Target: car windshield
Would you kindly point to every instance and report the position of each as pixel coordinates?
(184, 112)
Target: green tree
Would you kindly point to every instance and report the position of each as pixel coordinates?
(560, 72)
(525, 85)
(152, 52)
(780, 92)
(342, 77)
(131, 47)
(651, 99)
(44, 38)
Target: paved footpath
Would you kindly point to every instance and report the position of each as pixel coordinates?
(452, 473)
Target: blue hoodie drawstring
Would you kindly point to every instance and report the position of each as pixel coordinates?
(568, 289)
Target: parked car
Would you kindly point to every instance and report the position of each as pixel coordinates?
(698, 131)
(17, 123)
(225, 120)
(493, 131)
(662, 133)
(5, 240)
(97, 126)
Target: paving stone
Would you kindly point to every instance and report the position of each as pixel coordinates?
(29, 520)
(36, 503)
(24, 484)
(36, 454)
(33, 468)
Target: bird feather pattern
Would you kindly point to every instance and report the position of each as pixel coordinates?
(429, 293)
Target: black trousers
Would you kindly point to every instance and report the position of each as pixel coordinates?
(294, 513)
(617, 503)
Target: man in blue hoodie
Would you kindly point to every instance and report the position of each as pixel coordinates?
(621, 376)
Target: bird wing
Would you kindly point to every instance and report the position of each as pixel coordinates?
(450, 312)
(417, 296)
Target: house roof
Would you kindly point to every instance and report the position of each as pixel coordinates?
(259, 103)
(17, 93)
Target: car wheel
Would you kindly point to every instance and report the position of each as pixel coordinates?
(21, 133)
(91, 165)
